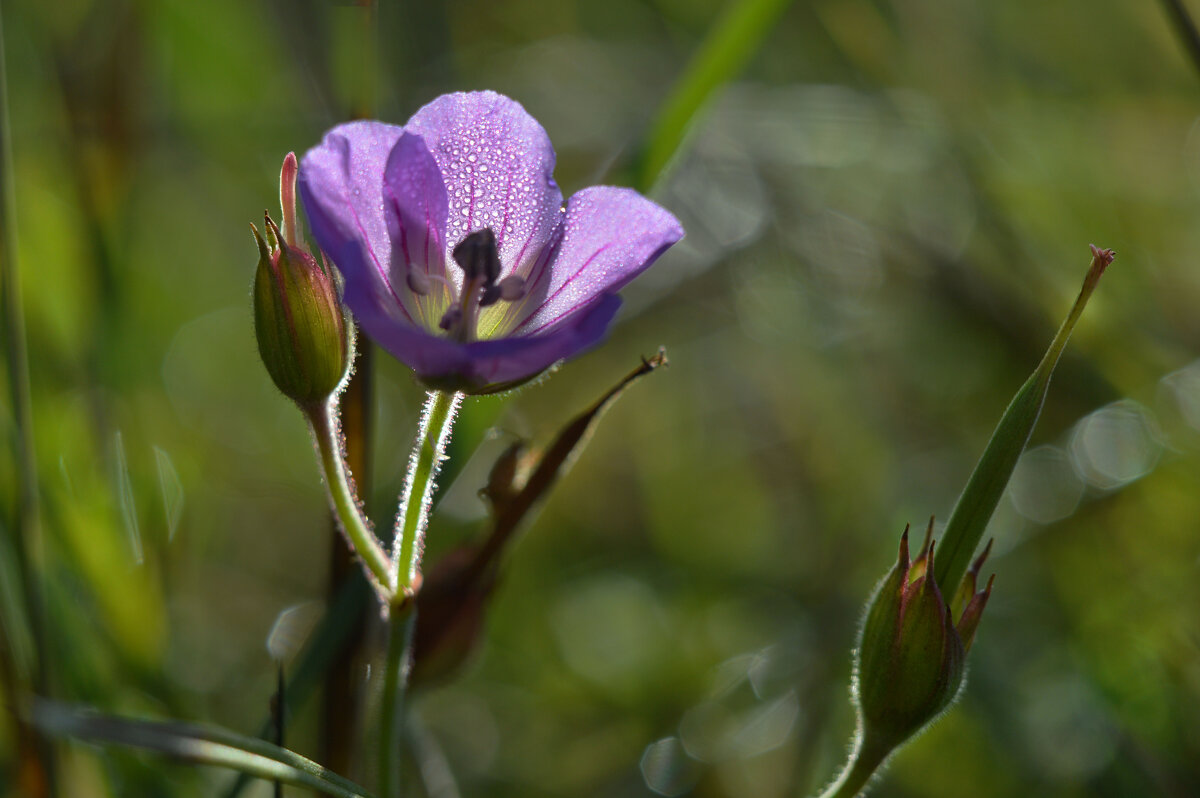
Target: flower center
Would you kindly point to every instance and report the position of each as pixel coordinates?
(479, 259)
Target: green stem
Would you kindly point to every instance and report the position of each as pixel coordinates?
(428, 452)
(427, 455)
(395, 681)
(868, 756)
(345, 504)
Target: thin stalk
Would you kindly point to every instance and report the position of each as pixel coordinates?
(279, 708)
(427, 455)
(1185, 26)
(341, 491)
(340, 699)
(429, 450)
(868, 756)
(26, 528)
(402, 624)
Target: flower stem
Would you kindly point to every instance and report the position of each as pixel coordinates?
(428, 452)
(864, 762)
(341, 492)
(402, 623)
(427, 455)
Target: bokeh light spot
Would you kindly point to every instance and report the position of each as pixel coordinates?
(1044, 487)
(666, 767)
(1116, 445)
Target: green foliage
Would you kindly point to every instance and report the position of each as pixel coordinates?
(885, 213)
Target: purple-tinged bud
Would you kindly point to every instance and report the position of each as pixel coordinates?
(967, 587)
(921, 561)
(910, 660)
(969, 621)
(299, 320)
(287, 201)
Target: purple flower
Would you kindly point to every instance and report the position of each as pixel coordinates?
(458, 255)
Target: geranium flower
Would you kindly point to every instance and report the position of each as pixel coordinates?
(458, 256)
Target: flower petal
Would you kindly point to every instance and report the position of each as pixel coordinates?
(610, 235)
(424, 352)
(497, 166)
(488, 366)
(512, 360)
(341, 184)
(416, 221)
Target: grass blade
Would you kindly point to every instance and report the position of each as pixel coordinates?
(201, 744)
(730, 43)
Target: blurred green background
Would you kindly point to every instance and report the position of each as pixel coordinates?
(888, 212)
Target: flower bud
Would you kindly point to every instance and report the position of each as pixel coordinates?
(298, 319)
(910, 661)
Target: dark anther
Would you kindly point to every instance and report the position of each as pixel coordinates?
(477, 256)
(451, 318)
(491, 295)
(510, 288)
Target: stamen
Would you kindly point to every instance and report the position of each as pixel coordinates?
(490, 295)
(418, 283)
(479, 259)
(451, 319)
(512, 287)
(508, 289)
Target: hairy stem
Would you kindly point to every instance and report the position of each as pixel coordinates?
(345, 504)
(868, 756)
(429, 450)
(427, 455)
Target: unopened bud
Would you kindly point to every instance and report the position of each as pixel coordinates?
(505, 479)
(299, 320)
(910, 661)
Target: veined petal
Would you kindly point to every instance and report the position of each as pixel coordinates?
(416, 220)
(424, 352)
(509, 360)
(341, 183)
(489, 365)
(610, 235)
(497, 165)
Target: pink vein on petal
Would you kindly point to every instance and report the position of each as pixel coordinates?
(362, 231)
(566, 283)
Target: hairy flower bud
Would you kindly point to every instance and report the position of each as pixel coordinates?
(299, 321)
(910, 661)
